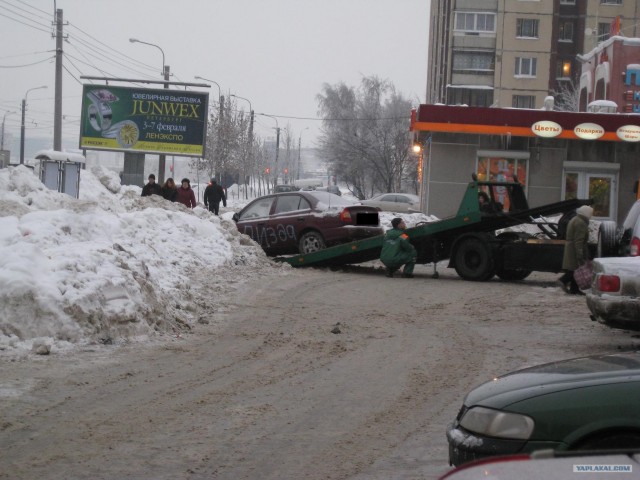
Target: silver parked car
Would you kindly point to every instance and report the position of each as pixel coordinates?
(614, 298)
(395, 202)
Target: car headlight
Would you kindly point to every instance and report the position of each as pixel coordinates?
(495, 423)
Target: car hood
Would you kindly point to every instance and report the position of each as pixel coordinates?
(554, 377)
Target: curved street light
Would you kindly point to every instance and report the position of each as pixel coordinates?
(162, 158)
(164, 69)
(197, 77)
(24, 105)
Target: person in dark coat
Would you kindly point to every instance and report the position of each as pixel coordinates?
(576, 248)
(186, 195)
(169, 190)
(397, 250)
(151, 188)
(213, 194)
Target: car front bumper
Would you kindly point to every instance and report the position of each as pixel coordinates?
(614, 310)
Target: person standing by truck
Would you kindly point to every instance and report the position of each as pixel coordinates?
(576, 248)
(397, 250)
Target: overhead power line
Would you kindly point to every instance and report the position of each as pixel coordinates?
(28, 64)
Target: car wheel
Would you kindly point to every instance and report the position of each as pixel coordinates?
(609, 441)
(607, 240)
(311, 242)
(473, 260)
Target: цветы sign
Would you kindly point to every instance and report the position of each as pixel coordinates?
(143, 120)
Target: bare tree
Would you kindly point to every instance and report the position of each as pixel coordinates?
(365, 135)
(567, 97)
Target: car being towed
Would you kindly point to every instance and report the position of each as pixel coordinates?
(306, 221)
(585, 403)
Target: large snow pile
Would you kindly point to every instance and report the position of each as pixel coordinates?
(109, 266)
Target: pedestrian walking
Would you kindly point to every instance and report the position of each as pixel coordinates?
(169, 190)
(576, 249)
(213, 194)
(151, 188)
(397, 250)
(185, 194)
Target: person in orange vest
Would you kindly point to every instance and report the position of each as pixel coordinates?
(397, 250)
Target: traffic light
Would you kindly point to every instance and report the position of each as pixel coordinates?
(267, 171)
(286, 170)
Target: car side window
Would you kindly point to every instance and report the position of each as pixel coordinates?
(291, 203)
(402, 199)
(388, 198)
(260, 208)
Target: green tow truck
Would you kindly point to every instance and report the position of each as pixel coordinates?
(469, 240)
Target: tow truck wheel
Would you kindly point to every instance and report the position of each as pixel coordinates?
(311, 242)
(607, 239)
(473, 260)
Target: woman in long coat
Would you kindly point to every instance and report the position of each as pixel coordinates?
(576, 248)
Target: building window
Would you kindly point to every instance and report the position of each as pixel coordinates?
(563, 69)
(525, 67)
(481, 63)
(523, 101)
(475, 22)
(611, 2)
(473, 97)
(526, 28)
(567, 2)
(604, 31)
(566, 32)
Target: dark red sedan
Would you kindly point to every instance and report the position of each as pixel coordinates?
(305, 222)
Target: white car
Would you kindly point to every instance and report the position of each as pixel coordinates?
(395, 202)
(614, 299)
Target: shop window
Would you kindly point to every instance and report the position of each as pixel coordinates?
(502, 169)
(590, 182)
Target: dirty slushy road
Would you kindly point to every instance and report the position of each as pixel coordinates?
(264, 390)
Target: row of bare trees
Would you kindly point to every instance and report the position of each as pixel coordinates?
(364, 140)
(365, 137)
(234, 154)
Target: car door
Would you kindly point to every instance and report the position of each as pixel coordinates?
(253, 221)
(290, 217)
(389, 203)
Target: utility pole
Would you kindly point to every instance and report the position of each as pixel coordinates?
(275, 177)
(162, 159)
(57, 115)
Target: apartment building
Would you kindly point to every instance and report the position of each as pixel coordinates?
(514, 53)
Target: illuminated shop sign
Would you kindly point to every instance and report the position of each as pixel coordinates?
(546, 129)
(629, 133)
(588, 131)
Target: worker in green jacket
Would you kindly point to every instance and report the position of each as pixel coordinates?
(397, 250)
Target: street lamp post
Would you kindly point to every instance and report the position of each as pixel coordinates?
(24, 105)
(4, 117)
(299, 148)
(165, 72)
(275, 177)
(219, 145)
(250, 139)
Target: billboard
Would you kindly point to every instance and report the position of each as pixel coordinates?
(143, 120)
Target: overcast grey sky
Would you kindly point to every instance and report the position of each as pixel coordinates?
(275, 53)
